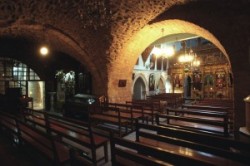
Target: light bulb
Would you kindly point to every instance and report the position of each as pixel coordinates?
(44, 51)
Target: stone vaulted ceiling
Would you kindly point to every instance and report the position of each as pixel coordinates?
(60, 23)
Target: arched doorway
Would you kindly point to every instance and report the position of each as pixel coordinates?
(139, 89)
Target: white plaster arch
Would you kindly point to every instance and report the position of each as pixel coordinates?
(163, 79)
(142, 76)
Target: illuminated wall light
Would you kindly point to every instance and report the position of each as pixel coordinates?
(44, 51)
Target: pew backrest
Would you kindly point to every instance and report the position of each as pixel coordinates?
(138, 152)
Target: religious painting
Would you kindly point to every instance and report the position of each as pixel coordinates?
(197, 81)
(220, 79)
(177, 80)
(209, 80)
(151, 82)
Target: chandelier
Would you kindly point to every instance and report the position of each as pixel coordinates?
(186, 57)
(190, 61)
(94, 13)
(164, 52)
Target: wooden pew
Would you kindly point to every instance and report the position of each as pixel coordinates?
(36, 119)
(77, 133)
(219, 114)
(129, 111)
(213, 102)
(111, 119)
(204, 138)
(212, 107)
(76, 159)
(45, 143)
(150, 108)
(149, 134)
(205, 107)
(72, 132)
(223, 116)
(8, 123)
(174, 100)
(221, 124)
(136, 153)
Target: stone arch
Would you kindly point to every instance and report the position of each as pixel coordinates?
(59, 41)
(144, 38)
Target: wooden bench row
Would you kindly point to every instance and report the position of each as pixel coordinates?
(211, 107)
(74, 133)
(126, 152)
(9, 125)
(206, 107)
(152, 148)
(213, 148)
(45, 143)
(165, 119)
(224, 103)
(150, 108)
(207, 113)
(136, 110)
(120, 117)
(204, 117)
(204, 138)
(160, 145)
(173, 99)
(114, 119)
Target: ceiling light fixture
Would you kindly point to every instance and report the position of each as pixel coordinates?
(44, 51)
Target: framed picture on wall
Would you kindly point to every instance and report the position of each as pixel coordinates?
(178, 80)
(220, 79)
(122, 83)
(209, 80)
(151, 82)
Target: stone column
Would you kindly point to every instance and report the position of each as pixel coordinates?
(246, 129)
(52, 101)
